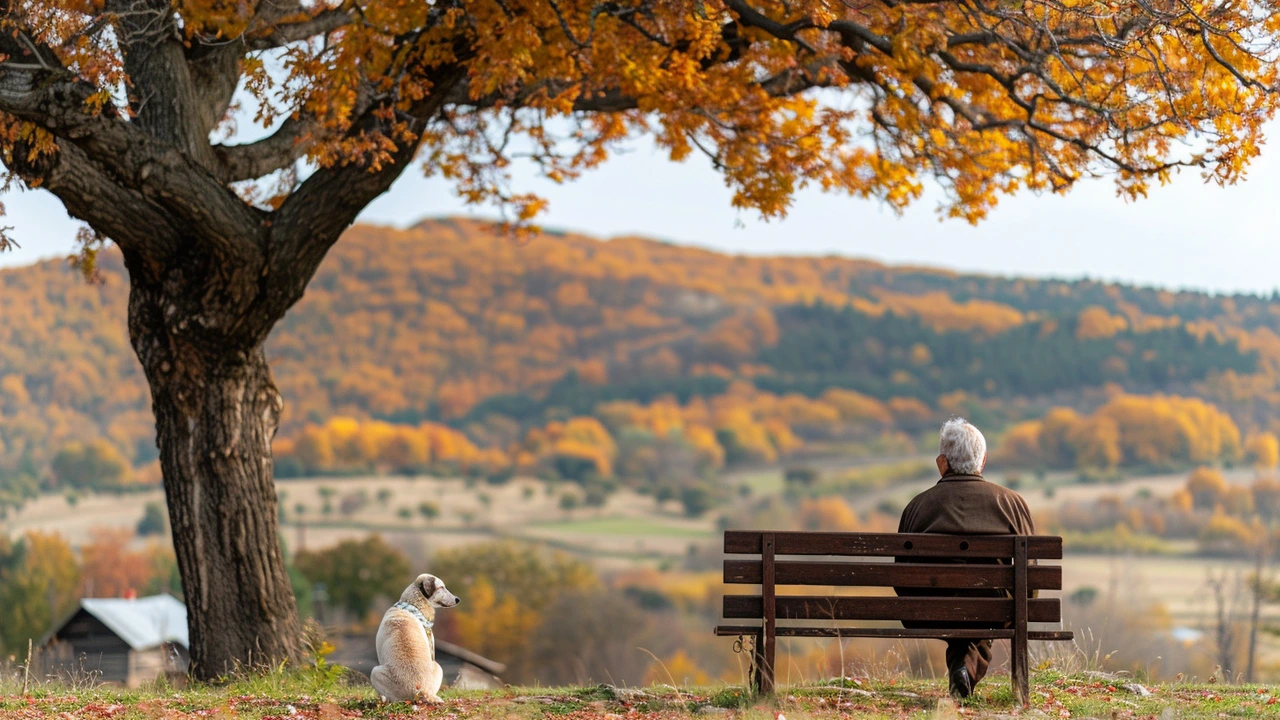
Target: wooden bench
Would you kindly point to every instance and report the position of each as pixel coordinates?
(934, 562)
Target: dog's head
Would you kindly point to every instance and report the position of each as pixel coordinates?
(429, 591)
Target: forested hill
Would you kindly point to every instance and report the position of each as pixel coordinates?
(453, 322)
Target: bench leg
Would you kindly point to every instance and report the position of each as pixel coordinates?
(1018, 647)
(1019, 671)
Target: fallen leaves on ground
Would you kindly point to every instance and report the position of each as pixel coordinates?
(902, 699)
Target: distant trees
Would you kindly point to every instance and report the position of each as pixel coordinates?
(429, 511)
(1263, 450)
(508, 591)
(823, 362)
(92, 465)
(1223, 518)
(39, 580)
(154, 520)
(1156, 431)
(802, 476)
(830, 514)
(110, 568)
(696, 500)
(357, 572)
(42, 579)
(16, 489)
(345, 445)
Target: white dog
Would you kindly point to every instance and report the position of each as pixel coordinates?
(407, 667)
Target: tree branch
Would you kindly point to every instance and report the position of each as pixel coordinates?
(279, 35)
(59, 103)
(130, 219)
(313, 218)
(277, 151)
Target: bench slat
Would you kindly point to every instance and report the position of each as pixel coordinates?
(884, 574)
(912, 609)
(748, 542)
(905, 633)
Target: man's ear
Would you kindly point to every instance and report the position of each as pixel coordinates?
(943, 465)
(984, 464)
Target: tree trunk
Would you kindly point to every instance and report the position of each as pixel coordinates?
(217, 410)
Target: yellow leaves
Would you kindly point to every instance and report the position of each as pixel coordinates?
(1263, 450)
(830, 514)
(1154, 431)
(1095, 323)
(939, 311)
(495, 627)
(347, 444)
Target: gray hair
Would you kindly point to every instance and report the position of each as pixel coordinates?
(963, 446)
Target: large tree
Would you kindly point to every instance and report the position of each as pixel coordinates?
(125, 110)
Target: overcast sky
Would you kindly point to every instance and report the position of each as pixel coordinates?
(1186, 235)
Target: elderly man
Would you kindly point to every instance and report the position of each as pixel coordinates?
(963, 503)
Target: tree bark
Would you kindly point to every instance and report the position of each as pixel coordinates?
(217, 411)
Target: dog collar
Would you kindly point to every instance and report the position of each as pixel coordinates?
(426, 624)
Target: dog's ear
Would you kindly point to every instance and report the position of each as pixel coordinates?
(427, 584)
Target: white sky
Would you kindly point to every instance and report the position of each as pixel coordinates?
(1186, 235)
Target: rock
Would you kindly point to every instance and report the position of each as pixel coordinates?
(946, 710)
(1099, 675)
(1137, 689)
(471, 677)
(857, 691)
(627, 694)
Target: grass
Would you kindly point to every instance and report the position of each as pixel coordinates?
(640, 526)
(313, 696)
(761, 482)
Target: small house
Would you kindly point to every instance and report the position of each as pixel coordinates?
(127, 641)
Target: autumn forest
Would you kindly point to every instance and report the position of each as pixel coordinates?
(637, 360)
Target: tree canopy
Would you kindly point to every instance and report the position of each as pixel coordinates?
(869, 98)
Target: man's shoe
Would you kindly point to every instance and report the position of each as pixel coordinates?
(961, 683)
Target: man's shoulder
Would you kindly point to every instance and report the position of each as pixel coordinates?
(969, 485)
(1004, 492)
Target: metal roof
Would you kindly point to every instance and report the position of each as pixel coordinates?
(143, 623)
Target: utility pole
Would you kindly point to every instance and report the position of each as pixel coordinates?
(1259, 589)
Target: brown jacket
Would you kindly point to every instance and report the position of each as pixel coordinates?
(967, 505)
(963, 505)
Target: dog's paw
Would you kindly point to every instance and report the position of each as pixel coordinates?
(432, 700)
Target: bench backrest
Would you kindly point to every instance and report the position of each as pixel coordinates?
(934, 562)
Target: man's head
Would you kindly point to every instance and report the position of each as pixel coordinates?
(962, 449)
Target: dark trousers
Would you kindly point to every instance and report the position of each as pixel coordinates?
(973, 655)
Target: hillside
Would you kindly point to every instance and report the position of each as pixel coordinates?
(452, 323)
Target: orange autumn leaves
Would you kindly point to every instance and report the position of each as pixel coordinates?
(985, 99)
(344, 443)
(746, 425)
